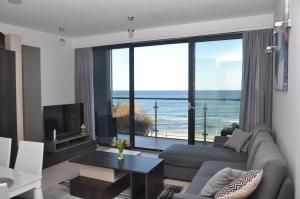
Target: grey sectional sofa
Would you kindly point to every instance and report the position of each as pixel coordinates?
(199, 163)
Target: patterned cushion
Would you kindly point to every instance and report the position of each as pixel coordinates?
(242, 186)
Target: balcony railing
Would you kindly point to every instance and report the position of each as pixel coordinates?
(168, 117)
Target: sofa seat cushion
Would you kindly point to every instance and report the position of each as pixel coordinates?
(209, 169)
(193, 156)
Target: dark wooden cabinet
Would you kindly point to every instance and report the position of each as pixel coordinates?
(8, 112)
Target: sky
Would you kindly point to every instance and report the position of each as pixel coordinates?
(218, 66)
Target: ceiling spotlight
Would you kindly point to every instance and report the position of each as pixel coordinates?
(61, 28)
(130, 30)
(15, 1)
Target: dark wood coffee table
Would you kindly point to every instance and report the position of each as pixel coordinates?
(143, 174)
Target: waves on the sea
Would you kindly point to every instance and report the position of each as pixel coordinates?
(222, 109)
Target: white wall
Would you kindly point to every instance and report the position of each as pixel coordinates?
(177, 31)
(57, 64)
(286, 106)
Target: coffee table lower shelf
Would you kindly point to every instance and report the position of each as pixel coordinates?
(90, 188)
(143, 186)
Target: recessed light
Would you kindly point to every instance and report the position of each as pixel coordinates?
(15, 1)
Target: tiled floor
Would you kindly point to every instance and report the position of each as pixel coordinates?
(66, 170)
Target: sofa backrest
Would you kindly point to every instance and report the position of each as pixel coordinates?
(257, 139)
(287, 190)
(261, 127)
(269, 158)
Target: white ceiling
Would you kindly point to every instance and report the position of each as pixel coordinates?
(91, 17)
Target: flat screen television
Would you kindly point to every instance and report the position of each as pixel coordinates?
(66, 119)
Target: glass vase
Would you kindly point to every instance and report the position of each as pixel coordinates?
(121, 153)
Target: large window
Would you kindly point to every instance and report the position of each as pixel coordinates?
(157, 95)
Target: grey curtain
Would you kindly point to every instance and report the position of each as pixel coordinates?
(84, 92)
(257, 83)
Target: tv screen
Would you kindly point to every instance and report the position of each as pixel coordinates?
(66, 119)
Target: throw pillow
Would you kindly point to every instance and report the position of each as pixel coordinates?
(219, 180)
(246, 145)
(242, 186)
(237, 140)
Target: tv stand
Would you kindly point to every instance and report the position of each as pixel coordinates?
(53, 146)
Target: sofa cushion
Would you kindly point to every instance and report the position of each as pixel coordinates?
(197, 184)
(270, 159)
(209, 169)
(242, 186)
(259, 138)
(219, 180)
(193, 156)
(237, 140)
(179, 172)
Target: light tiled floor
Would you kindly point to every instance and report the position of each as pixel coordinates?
(66, 170)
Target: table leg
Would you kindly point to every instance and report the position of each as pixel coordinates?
(38, 193)
(148, 186)
(154, 182)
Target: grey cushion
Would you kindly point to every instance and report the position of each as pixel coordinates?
(259, 138)
(269, 158)
(193, 156)
(219, 141)
(237, 140)
(197, 184)
(209, 169)
(219, 180)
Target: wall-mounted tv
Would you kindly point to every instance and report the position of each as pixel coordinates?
(65, 119)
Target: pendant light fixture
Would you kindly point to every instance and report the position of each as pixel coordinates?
(62, 41)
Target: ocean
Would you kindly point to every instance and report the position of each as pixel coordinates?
(222, 109)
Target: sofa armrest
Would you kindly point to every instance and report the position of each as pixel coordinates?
(187, 196)
(219, 141)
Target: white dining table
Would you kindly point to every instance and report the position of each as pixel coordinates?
(22, 182)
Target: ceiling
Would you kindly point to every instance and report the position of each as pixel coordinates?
(91, 17)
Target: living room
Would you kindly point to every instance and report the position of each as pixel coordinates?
(170, 82)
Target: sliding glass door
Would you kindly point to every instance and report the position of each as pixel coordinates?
(218, 78)
(161, 95)
(157, 94)
(120, 92)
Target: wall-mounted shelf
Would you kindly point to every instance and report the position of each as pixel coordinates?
(53, 146)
